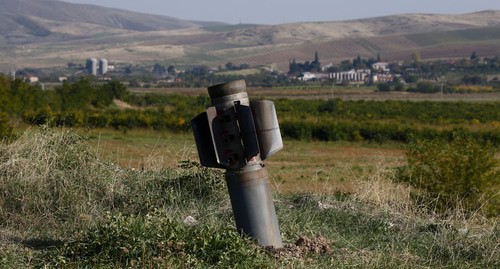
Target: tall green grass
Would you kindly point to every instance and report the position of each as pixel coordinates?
(62, 206)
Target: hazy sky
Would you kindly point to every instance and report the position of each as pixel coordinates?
(286, 11)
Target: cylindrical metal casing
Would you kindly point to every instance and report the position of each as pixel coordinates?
(228, 93)
(233, 144)
(253, 206)
(267, 127)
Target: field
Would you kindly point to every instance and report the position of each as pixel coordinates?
(345, 93)
(131, 193)
(110, 199)
(316, 167)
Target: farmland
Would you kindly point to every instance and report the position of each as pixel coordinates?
(110, 181)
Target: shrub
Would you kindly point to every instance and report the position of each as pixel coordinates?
(461, 173)
(49, 177)
(5, 128)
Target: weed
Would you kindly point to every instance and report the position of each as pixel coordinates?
(461, 173)
(155, 240)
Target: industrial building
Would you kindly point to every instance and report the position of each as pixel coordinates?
(95, 67)
(91, 66)
(103, 66)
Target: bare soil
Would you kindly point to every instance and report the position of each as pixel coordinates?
(303, 247)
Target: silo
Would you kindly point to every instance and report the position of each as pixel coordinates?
(103, 66)
(91, 66)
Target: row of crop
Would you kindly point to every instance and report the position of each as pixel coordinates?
(374, 131)
(299, 129)
(404, 111)
(431, 87)
(117, 119)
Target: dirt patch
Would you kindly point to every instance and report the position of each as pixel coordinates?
(122, 105)
(302, 248)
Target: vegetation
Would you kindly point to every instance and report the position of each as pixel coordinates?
(85, 104)
(109, 217)
(457, 174)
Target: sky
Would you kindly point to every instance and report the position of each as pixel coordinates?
(288, 11)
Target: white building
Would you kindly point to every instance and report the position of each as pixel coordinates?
(381, 67)
(31, 79)
(353, 75)
(306, 76)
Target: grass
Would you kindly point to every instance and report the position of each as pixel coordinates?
(79, 209)
(328, 166)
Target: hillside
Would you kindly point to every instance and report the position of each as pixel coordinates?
(41, 18)
(45, 33)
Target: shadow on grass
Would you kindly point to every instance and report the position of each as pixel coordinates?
(42, 243)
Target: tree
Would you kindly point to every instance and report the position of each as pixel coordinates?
(159, 70)
(473, 56)
(384, 87)
(315, 66)
(117, 89)
(171, 70)
(416, 59)
(293, 67)
(230, 66)
(345, 65)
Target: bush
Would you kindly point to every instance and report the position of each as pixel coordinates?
(50, 177)
(5, 128)
(457, 174)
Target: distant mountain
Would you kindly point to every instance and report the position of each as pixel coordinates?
(42, 33)
(41, 18)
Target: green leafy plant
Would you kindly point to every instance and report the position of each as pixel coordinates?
(155, 240)
(460, 173)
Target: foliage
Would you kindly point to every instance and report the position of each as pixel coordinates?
(297, 68)
(334, 120)
(86, 104)
(460, 173)
(154, 240)
(19, 98)
(5, 128)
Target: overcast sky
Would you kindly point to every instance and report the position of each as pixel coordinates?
(286, 11)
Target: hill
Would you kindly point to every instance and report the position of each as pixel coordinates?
(45, 33)
(42, 18)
